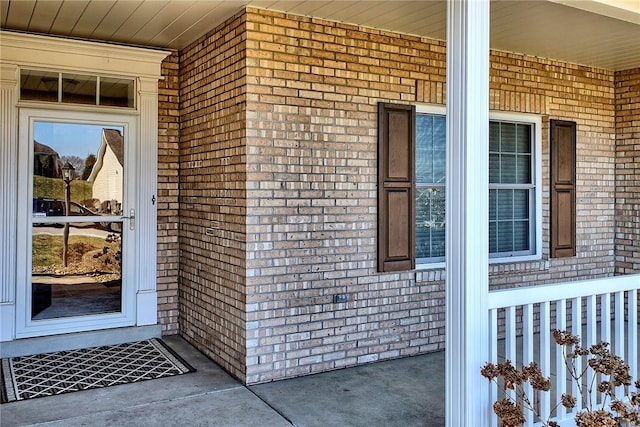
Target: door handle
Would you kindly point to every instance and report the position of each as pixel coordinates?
(131, 218)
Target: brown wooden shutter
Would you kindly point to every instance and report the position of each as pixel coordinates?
(563, 189)
(396, 188)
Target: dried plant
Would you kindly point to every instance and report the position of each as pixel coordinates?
(510, 409)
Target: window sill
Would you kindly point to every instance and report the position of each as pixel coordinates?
(431, 266)
(520, 264)
(436, 270)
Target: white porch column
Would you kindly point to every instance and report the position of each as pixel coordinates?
(8, 195)
(467, 212)
(147, 199)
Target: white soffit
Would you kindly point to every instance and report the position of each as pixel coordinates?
(624, 10)
(601, 33)
(558, 31)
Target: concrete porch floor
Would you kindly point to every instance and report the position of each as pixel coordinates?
(403, 392)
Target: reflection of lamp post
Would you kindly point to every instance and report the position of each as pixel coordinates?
(67, 177)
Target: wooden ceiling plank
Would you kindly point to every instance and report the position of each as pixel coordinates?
(165, 18)
(188, 27)
(140, 18)
(304, 8)
(379, 15)
(426, 22)
(115, 18)
(4, 11)
(68, 16)
(44, 15)
(91, 16)
(343, 12)
(19, 14)
(323, 10)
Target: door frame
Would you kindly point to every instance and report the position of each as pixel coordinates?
(25, 325)
(31, 51)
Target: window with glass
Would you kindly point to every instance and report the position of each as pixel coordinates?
(512, 210)
(430, 187)
(511, 189)
(68, 88)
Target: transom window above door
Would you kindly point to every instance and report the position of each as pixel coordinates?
(72, 88)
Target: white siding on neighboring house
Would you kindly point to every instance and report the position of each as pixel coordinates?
(107, 173)
(108, 182)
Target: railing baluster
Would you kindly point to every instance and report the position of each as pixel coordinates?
(576, 329)
(493, 358)
(561, 371)
(618, 331)
(605, 318)
(527, 351)
(591, 339)
(605, 326)
(632, 334)
(510, 339)
(601, 320)
(545, 355)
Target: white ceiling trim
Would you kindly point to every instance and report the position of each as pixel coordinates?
(27, 50)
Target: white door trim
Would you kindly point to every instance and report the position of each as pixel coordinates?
(9, 79)
(25, 326)
(20, 50)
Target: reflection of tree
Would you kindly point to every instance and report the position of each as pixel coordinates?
(431, 208)
(76, 162)
(46, 161)
(430, 222)
(88, 166)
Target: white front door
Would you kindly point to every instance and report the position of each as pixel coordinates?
(76, 228)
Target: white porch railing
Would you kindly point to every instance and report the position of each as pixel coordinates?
(521, 321)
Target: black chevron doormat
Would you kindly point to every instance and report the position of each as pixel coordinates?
(48, 374)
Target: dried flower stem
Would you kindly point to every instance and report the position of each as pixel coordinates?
(610, 368)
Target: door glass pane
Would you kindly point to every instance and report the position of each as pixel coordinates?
(76, 220)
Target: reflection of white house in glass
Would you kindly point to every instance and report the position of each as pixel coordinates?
(106, 175)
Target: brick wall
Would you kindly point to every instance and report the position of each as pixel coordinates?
(212, 194)
(312, 90)
(168, 181)
(558, 90)
(628, 171)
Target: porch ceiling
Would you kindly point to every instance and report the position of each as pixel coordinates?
(601, 33)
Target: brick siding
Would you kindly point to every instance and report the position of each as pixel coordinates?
(313, 87)
(168, 187)
(628, 171)
(212, 194)
(278, 171)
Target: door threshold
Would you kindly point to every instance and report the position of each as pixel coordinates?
(77, 340)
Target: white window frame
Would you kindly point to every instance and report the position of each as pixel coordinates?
(536, 122)
(511, 117)
(60, 95)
